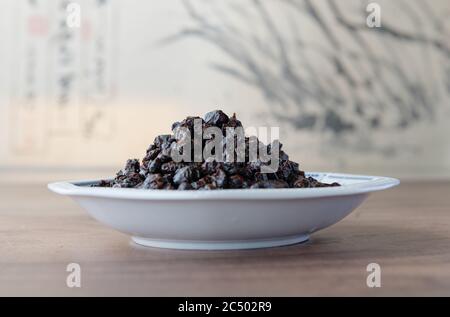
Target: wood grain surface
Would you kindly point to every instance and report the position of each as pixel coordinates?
(406, 230)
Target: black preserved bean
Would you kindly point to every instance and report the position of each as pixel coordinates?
(159, 171)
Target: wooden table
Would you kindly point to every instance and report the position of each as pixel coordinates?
(406, 230)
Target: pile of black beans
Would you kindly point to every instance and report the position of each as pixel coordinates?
(159, 171)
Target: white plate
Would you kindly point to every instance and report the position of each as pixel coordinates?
(224, 219)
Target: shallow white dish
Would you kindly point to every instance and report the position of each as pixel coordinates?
(224, 219)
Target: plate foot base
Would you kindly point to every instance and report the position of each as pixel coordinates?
(220, 245)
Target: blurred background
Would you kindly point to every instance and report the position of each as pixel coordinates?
(78, 101)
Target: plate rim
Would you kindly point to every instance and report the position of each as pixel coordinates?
(79, 188)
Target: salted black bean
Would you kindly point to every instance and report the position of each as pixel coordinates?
(158, 170)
